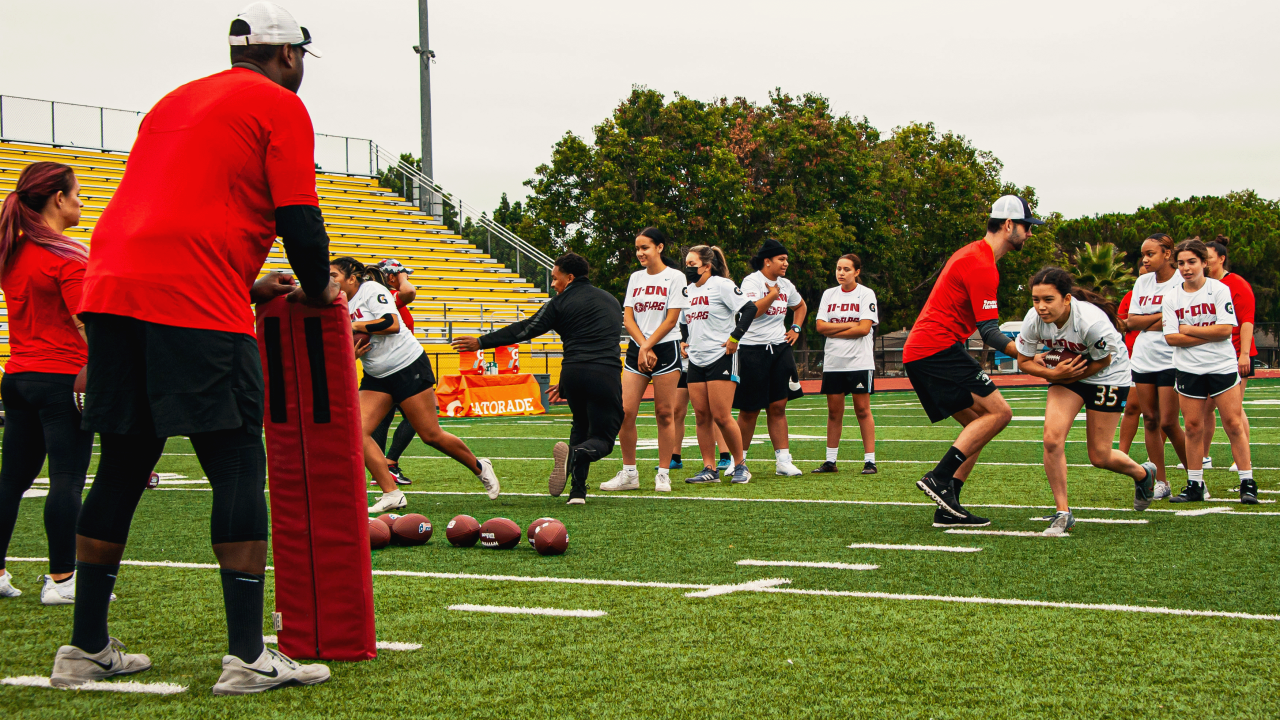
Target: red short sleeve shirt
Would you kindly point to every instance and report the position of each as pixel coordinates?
(40, 291)
(1242, 298)
(186, 233)
(1123, 313)
(963, 296)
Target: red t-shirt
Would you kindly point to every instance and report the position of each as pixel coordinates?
(1242, 298)
(964, 296)
(406, 317)
(186, 233)
(40, 290)
(1123, 313)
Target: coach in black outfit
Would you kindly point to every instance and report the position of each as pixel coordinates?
(589, 322)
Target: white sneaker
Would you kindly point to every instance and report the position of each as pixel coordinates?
(1234, 468)
(73, 666)
(60, 593)
(786, 467)
(6, 586)
(1207, 464)
(662, 482)
(623, 481)
(393, 500)
(270, 671)
(1162, 490)
(489, 478)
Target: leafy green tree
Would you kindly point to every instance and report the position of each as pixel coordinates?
(1101, 269)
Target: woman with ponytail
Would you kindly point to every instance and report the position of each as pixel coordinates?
(42, 271)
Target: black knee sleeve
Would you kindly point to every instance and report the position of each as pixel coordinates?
(123, 471)
(236, 464)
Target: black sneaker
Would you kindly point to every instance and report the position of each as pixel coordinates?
(1193, 492)
(869, 468)
(825, 467)
(577, 495)
(398, 475)
(944, 519)
(1248, 492)
(941, 492)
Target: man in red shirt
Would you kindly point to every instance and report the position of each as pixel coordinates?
(220, 167)
(948, 381)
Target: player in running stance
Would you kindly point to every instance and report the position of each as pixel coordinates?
(1064, 317)
(1198, 316)
(848, 317)
(395, 277)
(948, 381)
(397, 371)
(714, 302)
(1152, 360)
(650, 311)
(1241, 335)
(766, 365)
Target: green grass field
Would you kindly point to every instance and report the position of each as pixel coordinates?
(778, 651)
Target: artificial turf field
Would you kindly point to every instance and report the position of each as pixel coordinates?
(774, 651)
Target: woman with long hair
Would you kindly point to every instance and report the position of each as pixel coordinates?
(396, 372)
(1198, 316)
(1068, 318)
(1241, 335)
(1152, 361)
(848, 317)
(396, 279)
(650, 312)
(42, 271)
(718, 316)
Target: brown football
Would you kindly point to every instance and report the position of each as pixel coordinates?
(551, 538)
(360, 339)
(379, 535)
(1053, 357)
(78, 387)
(388, 519)
(533, 526)
(499, 533)
(462, 531)
(411, 529)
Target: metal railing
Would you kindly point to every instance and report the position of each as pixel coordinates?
(45, 122)
(347, 155)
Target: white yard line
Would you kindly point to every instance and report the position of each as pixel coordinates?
(122, 686)
(798, 563)
(1208, 511)
(505, 610)
(1095, 520)
(754, 585)
(937, 548)
(1011, 533)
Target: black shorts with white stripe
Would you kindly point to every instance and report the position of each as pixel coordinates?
(849, 382)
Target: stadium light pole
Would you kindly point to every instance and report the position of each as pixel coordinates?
(426, 56)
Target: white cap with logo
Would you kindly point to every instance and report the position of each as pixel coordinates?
(270, 24)
(1012, 207)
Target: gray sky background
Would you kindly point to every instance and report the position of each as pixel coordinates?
(1101, 106)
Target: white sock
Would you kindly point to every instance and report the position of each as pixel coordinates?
(663, 472)
(783, 455)
(393, 493)
(832, 452)
(630, 469)
(868, 457)
(1245, 475)
(1195, 476)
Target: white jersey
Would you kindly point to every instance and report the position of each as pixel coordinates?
(1210, 305)
(838, 306)
(770, 328)
(1150, 352)
(651, 296)
(387, 353)
(1089, 332)
(710, 317)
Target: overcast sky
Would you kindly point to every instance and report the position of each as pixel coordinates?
(1101, 106)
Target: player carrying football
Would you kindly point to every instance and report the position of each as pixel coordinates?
(848, 317)
(1073, 319)
(948, 381)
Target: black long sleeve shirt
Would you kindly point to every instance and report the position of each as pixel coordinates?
(588, 320)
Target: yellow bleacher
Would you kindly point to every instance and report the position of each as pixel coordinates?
(461, 289)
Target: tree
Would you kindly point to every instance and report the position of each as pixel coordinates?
(1101, 269)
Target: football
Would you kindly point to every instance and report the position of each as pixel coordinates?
(77, 388)
(462, 531)
(360, 339)
(499, 533)
(379, 535)
(551, 538)
(533, 526)
(1053, 357)
(388, 519)
(411, 529)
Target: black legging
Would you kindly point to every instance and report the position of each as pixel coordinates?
(40, 418)
(594, 394)
(400, 441)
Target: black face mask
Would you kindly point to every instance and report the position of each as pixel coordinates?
(692, 274)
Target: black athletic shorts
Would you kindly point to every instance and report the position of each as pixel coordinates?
(1205, 386)
(161, 380)
(849, 382)
(1100, 398)
(946, 381)
(414, 378)
(1162, 378)
(726, 368)
(668, 359)
(768, 374)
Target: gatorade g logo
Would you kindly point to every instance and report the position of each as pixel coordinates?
(873, 307)
(1231, 308)
(737, 291)
(1101, 344)
(454, 407)
(382, 299)
(685, 291)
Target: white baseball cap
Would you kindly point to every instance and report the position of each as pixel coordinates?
(270, 24)
(1012, 207)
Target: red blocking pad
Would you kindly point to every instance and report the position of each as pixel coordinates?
(315, 470)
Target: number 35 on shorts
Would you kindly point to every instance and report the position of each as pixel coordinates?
(1107, 397)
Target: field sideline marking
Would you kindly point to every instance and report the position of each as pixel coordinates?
(751, 586)
(1096, 520)
(939, 548)
(124, 686)
(507, 610)
(798, 563)
(1012, 533)
(1205, 511)
(381, 644)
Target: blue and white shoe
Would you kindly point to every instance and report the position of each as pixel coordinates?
(1061, 523)
(724, 464)
(708, 475)
(1144, 490)
(741, 475)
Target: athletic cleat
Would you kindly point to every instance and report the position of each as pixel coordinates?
(489, 478)
(1162, 490)
(869, 468)
(73, 666)
(393, 500)
(1248, 492)
(708, 475)
(1144, 490)
(1234, 468)
(941, 492)
(622, 481)
(788, 469)
(944, 519)
(6, 585)
(398, 475)
(662, 483)
(741, 475)
(723, 464)
(271, 671)
(1060, 523)
(826, 467)
(559, 469)
(1193, 492)
(1207, 464)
